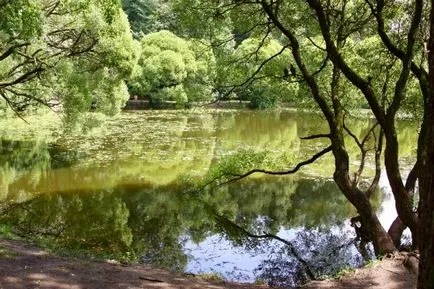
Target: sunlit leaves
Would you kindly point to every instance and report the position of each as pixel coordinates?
(170, 69)
(75, 53)
(20, 20)
(203, 20)
(100, 82)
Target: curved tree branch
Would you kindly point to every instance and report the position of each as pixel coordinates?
(238, 177)
(316, 136)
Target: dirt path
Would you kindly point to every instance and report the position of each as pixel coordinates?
(393, 272)
(26, 266)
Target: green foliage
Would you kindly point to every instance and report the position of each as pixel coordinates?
(20, 20)
(76, 53)
(202, 20)
(273, 83)
(205, 22)
(6, 231)
(225, 24)
(173, 69)
(238, 163)
(142, 15)
(100, 83)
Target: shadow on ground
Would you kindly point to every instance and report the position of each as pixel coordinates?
(26, 266)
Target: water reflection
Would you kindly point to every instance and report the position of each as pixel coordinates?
(323, 255)
(122, 189)
(18, 159)
(155, 222)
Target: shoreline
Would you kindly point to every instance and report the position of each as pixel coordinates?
(24, 265)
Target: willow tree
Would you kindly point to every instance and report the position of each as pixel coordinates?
(70, 52)
(393, 68)
(171, 68)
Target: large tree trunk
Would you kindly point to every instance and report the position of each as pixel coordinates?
(395, 231)
(385, 117)
(334, 115)
(403, 198)
(381, 240)
(426, 204)
(370, 223)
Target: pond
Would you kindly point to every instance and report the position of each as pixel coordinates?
(130, 188)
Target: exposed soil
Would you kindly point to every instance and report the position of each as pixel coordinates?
(397, 271)
(26, 266)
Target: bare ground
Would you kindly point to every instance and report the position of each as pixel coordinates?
(397, 271)
(26, 266)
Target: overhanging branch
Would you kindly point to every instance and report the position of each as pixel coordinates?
(12, 105)
(11, 50)
(238, 177)
(252, 77)
(316, 136)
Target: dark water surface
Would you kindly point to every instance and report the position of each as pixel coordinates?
(129, 188)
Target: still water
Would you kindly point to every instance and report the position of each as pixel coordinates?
(133, 186)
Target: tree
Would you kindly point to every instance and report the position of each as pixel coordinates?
(400, 31)
(141, 16)
(265, 88)
(73, 52)
(426, 199)
(173, 69)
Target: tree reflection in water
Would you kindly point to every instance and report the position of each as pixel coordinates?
(135, 206)
(311, 254)
(324, 253)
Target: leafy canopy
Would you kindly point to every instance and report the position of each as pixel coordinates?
(173, 69)
(73, 53)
